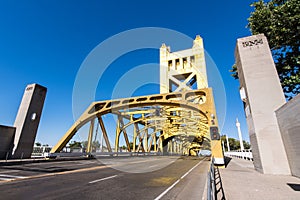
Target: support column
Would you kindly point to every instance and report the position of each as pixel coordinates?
(90, 138)
(155, 142)
(262, 94)
(124, 133)
(238, 126)
(228, 147)
(161, 144)
(146, 140)
(104, 134)
(118, 130)
(134, 137)
(27, 120)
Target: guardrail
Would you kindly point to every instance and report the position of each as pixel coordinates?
(245, 154)
(78, 154)
(211, 182)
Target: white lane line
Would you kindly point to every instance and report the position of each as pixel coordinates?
(11, 176)
(8, 171)
(152, 166)
(102, 179)
(173, 185)
(5, 179)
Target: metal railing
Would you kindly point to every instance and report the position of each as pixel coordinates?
(211, 182)
(6, 155)
(94, 154)
(245, 154)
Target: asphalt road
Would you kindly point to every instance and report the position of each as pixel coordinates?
(107, 178)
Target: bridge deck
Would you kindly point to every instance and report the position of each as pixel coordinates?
(141, 177)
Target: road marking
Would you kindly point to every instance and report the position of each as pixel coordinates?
(176, 182)
(58, 173)
(8, 177)
(103, 179)
(78, 170)
(5, 179)
(11, 176)
(8, 171)
(152, 166)
(124, 162)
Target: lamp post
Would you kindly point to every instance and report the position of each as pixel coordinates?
(223, 146)
(238, 126)
(228, 147)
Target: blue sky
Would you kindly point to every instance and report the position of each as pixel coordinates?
(46, 42)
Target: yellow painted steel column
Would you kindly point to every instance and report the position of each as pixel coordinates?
(217, 153)
(90, 138)
(146, 140)
(155, 142)
(150, 144)
(135, 129)
(134, 134)
(161, 144)
(117, 136)
(104, 134)
(125, 133)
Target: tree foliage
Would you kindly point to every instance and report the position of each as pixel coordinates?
(38, 144)
(234, 144)
(279, 21)
(75, 144)
(95, 144)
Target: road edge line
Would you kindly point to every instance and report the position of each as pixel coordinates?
(176, 182)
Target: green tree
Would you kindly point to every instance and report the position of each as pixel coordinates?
(38, 144)
(123, 147)
(234, 144)
(95, 144)
(131, 145)
(84, 144)
(75, 144)
(279, 21)
(246, 145)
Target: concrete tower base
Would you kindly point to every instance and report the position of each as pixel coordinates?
(262, 95)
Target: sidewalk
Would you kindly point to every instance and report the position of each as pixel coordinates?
(241, 181)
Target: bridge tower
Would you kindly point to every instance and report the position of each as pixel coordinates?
(183, 70)
(182, 119)
(28, 119)
(186, 70)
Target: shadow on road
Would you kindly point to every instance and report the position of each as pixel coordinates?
(227, 160)
(295, 187)
(35, 169)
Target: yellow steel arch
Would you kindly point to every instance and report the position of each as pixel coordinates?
(181, 114)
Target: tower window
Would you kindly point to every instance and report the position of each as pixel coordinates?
(177, 63)
(192, 59)
(184, 60)
(170, 63)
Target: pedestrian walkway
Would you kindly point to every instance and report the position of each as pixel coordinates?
(241, 181)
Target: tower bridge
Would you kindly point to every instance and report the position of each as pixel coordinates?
(181, 119)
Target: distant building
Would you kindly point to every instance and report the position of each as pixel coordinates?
(7, 135)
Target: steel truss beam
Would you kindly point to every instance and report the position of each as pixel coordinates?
(170, 114)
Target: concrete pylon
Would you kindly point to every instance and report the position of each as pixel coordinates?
(262, 94)
(28, 119)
